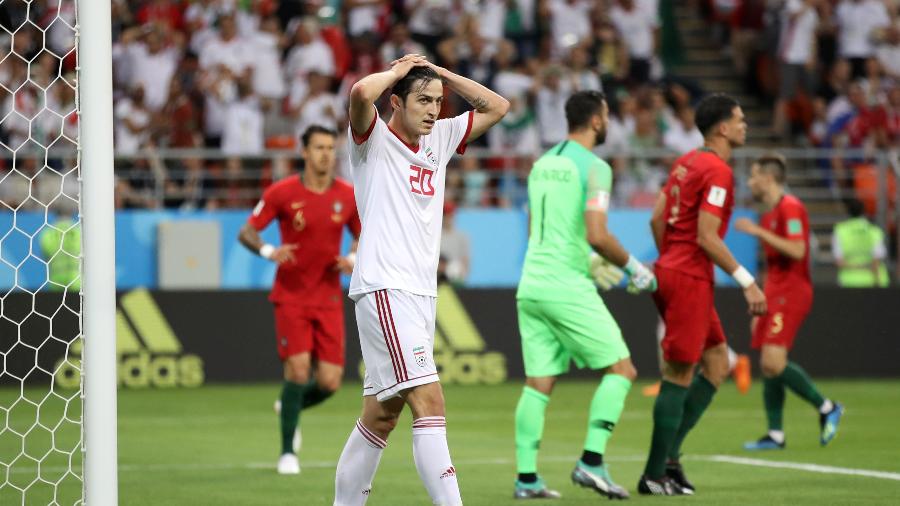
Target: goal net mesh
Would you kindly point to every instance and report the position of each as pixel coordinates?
(41, 450)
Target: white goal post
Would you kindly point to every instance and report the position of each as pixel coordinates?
(99, 291)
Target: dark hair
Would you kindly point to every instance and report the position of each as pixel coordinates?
(315, 129)
(775, 164)
(713, 110)
(404, 87)
(855, 208)
(581, 106)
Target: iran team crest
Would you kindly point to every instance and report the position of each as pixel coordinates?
(432, 158)
(419, 354)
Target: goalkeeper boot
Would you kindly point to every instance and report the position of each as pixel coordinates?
(676, 473)
(288, 464)
(534, 490)
(829, 423)
(658, 486)
(766, 442)
(598, 479)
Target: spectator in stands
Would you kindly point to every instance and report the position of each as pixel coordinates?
(570, 23)
(365, 16)
(268, 75)
(859, 250)
(132, 123)
(319, 106)
(553, 88)
(892, 117)
(682, 135)
(309, 52)
(517, 132)
(584, 76)
(638, 26)
(796, 56)
(430, 21)
(888, 52)
(455, 251)
(858, 22)
(224, 58)
(152, 56)
(399, 43)
(243, 119)
(608, 53)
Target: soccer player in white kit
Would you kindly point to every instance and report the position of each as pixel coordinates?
(399, 170)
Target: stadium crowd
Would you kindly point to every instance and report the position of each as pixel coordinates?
(243, 76)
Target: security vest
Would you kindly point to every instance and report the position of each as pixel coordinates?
(858, 239)
(61, 245)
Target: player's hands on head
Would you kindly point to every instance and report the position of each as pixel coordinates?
(606, 274)
(756, 300)
(745, 225)
(284, 253)
(403, 65)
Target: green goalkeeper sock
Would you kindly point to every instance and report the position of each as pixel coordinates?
(699, 396)
(529, 428)
(773, 399)
(795, 378)
(606, 408)
(314, 394)
(291, 403)
(667, 413)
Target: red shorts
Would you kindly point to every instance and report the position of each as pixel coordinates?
(692, 323)
(779, 326)
(318, 331)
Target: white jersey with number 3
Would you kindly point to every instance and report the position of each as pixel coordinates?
(400, 197)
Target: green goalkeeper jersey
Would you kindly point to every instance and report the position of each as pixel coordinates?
(565, 182)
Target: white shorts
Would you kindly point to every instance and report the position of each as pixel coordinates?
(396, 334)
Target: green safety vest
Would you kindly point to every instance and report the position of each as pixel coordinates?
(858, 239)
(61, 245)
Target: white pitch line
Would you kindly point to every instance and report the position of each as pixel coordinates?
(325, 464)
(801, 466)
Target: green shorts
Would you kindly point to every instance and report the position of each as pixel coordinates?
(555, 333)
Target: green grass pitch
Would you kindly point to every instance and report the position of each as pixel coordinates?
(217, 445)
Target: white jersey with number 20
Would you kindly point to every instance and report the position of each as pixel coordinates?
(400, 197)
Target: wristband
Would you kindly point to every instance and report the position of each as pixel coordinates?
(743, 278)
(351, 257)
(266, 251)
(633, 265)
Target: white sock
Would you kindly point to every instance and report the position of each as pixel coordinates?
(433, 460)
(826, 406)
(777, 436)
(732, 359)
(356, 467)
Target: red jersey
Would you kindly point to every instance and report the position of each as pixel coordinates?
(315, 223)
(699, 181)
(787, 219)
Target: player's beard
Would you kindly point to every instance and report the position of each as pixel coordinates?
(600, 136)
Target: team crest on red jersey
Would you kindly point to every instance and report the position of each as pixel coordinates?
(338, 207)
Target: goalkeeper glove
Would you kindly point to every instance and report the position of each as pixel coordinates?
(605, 273)
(640, 278)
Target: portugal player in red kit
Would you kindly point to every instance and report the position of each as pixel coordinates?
(312, 210)
(689, 222)
(784, 232)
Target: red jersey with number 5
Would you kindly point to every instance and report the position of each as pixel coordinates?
(787, 219)
(314, 222)
(698, 181)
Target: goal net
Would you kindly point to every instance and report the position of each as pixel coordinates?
(41, 442)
